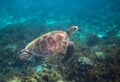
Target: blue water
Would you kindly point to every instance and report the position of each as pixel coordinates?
(21, 21)
(89, 15)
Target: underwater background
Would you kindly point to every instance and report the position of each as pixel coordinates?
(96, 55)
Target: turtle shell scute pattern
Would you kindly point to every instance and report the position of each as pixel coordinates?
(51, 43)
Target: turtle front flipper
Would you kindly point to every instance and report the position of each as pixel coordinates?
(69, 53)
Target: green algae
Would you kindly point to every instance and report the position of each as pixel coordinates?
(104, 58)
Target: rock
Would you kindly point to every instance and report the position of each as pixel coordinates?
(80, 68)
(84, 61)
(100, 55)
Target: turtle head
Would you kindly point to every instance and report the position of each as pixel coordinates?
(72, 29)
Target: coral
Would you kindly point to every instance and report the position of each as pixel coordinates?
(14, 79)
(103, 73)
(78, 70)
(108, 71)
(31, 79)
(50, 75)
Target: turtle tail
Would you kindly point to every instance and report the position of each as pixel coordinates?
(69, 53)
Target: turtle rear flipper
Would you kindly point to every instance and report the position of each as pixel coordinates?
(24, 54)
(69, 53)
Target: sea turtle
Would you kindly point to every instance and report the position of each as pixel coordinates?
(51, 43)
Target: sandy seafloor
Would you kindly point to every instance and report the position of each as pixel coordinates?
(96, 55)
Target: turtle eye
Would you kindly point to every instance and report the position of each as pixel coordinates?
(75, 27)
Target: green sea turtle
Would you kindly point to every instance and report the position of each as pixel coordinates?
(51, 43)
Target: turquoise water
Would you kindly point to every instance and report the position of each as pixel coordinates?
(97, 42)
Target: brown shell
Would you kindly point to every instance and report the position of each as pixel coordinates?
(51, 43)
